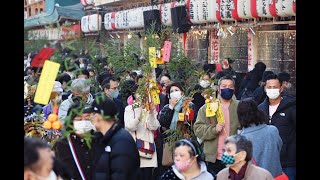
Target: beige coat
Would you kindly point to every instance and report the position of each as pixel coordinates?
(252, 173)
(144, 130)
(205, 129)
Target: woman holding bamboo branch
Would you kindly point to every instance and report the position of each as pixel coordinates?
(176, 120)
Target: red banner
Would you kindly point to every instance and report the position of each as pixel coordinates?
(43, 55)
(215, 47)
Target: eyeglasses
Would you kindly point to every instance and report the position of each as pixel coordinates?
(114, 88)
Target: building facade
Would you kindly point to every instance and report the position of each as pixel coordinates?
(34, 7)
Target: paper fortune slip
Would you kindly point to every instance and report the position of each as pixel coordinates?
(46, 81)
(167, 51)
(152, 57)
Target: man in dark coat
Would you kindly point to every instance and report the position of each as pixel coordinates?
(259, 94)
(281, 110)
(82, 152)
(116, 153)
(110, 90)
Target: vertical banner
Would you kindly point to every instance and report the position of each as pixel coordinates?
(167, 51)
(46, 81)
(250, 51)
(214, 47)
(152, 57)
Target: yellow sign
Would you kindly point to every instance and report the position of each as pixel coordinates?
(209, 110)
(152, 57)
(155, 97)
(160, 57)
(220, 117)
(181, 117)
(46, 81)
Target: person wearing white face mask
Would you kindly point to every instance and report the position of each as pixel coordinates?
(172, 116)
(281, 110)
(141, 124)
(188, 162)
(198, 99)
(73, 150)
(55, 99)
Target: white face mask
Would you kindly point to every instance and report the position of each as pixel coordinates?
(176, 94)
(81, 65)
(204, 83)
(83, 126)
(273, 93)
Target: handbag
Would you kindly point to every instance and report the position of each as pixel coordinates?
(283, 176)
(167, 155)
(146, 149)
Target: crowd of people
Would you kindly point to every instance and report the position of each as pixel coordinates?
(110, 132)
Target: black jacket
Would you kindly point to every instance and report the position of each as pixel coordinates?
(259, 95)
(198, 99)
(165, 118)
(83, 153)
(116, 156)
(285, 120)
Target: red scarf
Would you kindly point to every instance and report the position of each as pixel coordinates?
(240, 175)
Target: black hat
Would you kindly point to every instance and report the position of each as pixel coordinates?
(102, 105)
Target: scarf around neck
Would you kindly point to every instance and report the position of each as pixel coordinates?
(175, 117)
(240, 175)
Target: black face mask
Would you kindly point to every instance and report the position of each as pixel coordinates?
(227, 93)
(162, 84)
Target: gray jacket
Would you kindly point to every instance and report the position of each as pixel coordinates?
(267, 145)
(66, 104)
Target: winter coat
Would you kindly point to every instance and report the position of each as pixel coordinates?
(65, 95)
(83, 153)
(165, 118)
(66, 104)
(116, 156)
(47, 110)
(252, 173)
(173, 173)
(163, 99)
(269, 148)
(259, 95)
(142, 130)
(249, 84)
(198, 99)
(285, 120)
(205, 129)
